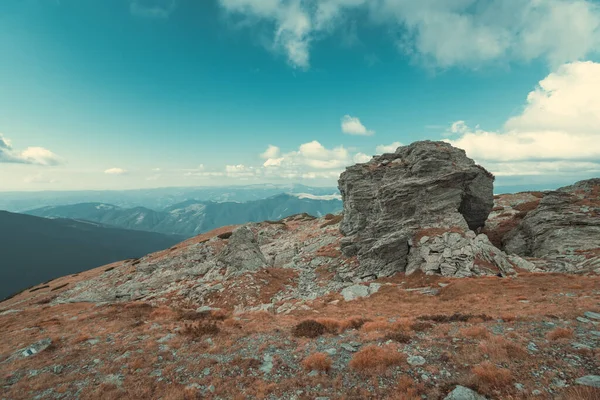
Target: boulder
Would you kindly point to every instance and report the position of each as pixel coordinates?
(564, 229)
(242, 253)
(416, 209)
(464, 393)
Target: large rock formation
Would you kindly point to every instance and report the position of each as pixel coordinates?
(417, 208)
(242, 253)
(564, 229)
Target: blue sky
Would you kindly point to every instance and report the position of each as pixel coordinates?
(119, 94)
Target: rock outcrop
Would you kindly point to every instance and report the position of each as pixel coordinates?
(564, 229)
(416, 209)
(242, 253)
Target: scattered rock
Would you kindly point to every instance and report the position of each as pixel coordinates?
(592, 315)
(35, 348)
(355, 291)
(589, 380)
(464, 393)
(267, 364)
(559, 226)
(416, 360)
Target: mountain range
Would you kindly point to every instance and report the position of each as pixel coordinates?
(36, 249)
(193, 217)
(155, 199)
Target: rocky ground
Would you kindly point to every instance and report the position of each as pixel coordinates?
(302, 308)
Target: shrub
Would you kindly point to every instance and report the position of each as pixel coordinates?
(559, 333)
(488, 376)
(376, 359)
(309, 328)
(375, 326)
(456, 317)
(475, 332)
(398, 337)
(201, 329)
(581, 393)
(421, 326)
(317, 362)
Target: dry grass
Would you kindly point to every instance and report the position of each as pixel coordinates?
(581, 393)
(488, 377)
(559, 333)
(375, 359)
(317, 362)
(499, 349)
(475, 332)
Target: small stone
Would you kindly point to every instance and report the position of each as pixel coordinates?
(355, 291)
(313, 373)
(97, 361)
(57, 369)
(93, 342)
(166, 338)
(331, 351)
(580, 346)
(348, 347)
(464, 393)
(206, 371)
(442, 284)
(267, 364)
(583, 320)
(592, 315)
(416, 360)
(589, 380)
(536, 392)
(532, 347)
(211, 388)
(595, 333)
(519, 387)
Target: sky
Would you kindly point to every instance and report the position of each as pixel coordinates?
(123, 94)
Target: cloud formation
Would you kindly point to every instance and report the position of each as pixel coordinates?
(558, 129)
(115, 171)
(353, 126)
(152, 8)
(387, 148)
(31, 155)
(443, 33)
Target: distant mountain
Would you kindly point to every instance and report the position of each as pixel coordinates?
(193, 217)
(33, 250)
(156, 199)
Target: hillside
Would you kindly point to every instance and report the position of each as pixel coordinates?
(426, 287)
(192, 217)
(37, 249)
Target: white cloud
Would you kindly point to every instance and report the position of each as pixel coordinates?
(353, 126)
(443, 33)
(115, 171)
(271, 152)
(360, 158)
(152, 8)
(31, 155)
(39, 179)
(239, 171)
(387, 148)
(559, 122)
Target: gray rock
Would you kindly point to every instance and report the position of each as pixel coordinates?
(589, 380)
(242, 253)
(331, 351)
(560, 231)
(532, 347)
(34, 348)
(595, 333)
(423, 185)
(416, 360)
(591, 315)
(349, 347)
(267, 364)
(464, 393)
(583, 320)
(355, 291)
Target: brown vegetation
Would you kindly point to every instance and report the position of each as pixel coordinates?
(560, 333)
(376, 359)
(309, 328)
(317, 362)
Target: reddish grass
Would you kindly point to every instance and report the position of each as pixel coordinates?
(559, 333)
(475, 332)
(376, 359)
(499, 349)
(309, 328)
(489, 377)
(580, 393)
(317, 362)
